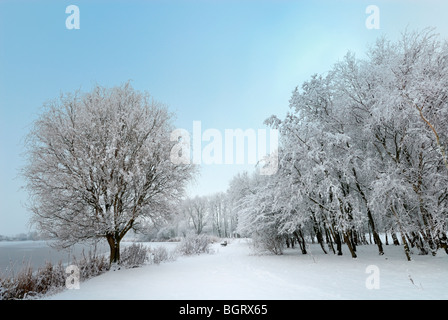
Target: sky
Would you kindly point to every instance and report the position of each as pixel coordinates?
(226, 63)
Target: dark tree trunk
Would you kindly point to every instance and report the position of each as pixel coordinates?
(300, 240)
(442, 241)
(376, 237)
(395, 239)
(303, 243)
(418, 242)
(405, 246)
(329, 240)
(320, 239)
(337, 239)
(114, 245)
(349, 244)
(353, 235)
(318, 232)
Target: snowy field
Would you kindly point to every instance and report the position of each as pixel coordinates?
(236, 273)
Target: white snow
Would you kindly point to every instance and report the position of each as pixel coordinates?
(235, 272)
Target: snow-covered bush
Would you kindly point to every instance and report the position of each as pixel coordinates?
(194, 244)
(161, 254)
(29, 284)
(268, 241)
(134, 255)
(166, 233)
(50, 276)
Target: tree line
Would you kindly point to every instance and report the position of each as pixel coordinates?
(207, 214)
(362, 153)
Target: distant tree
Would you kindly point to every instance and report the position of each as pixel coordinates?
(196, 210)
(219, 214)
(98, 165)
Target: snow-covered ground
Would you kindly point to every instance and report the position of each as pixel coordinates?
(235, 272)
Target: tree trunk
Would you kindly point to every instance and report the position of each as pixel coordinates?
(428, 229)
(418, 242)
(320, 239)
(300, 240)
(403, 236)
(318, 232)
(442, 241)
(353, 235)
(114, 245)
(337, 239)
(376, 237)
(395, 239)
(405, 246)
(329, 240)
(349, 244)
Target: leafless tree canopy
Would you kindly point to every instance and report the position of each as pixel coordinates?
(98, 165)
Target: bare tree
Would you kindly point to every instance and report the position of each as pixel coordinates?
(196, 210)
(219, 214)
(98, 166)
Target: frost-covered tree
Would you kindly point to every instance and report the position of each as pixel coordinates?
(196, 211)
(256, 217)
(409, 136)
(99, 166)
(220, 214)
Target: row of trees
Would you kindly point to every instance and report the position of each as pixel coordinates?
(34, 235)
(211, 214)
(362, 151)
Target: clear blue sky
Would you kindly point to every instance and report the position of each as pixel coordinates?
(229, 64)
